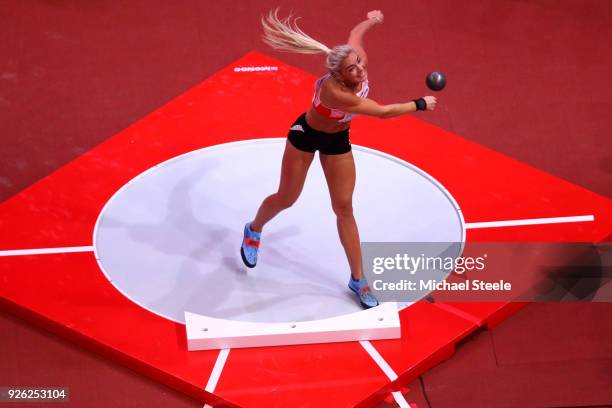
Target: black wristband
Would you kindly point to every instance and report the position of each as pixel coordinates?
(420, 104)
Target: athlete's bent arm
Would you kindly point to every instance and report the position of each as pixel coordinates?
(356, 36)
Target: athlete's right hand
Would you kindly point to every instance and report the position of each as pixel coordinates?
(431, 102)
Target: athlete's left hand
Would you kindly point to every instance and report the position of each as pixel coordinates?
(376, 15)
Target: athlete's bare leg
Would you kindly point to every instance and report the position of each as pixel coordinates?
(340, 175)
(293, 174)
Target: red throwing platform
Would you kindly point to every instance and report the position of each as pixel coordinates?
(67, 293)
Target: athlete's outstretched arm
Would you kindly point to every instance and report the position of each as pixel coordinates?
(349, 102)
(356, 36)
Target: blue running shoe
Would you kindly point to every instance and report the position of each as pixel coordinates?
(363, 292)
(250, 246)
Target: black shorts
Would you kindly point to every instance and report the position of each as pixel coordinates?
(307, 139)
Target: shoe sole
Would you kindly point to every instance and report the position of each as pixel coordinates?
(247, 263)
(362, 304)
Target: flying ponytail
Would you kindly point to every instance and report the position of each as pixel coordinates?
(285, 35)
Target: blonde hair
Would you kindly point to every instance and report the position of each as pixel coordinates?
(285, 35)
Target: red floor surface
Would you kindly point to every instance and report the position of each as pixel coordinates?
(77, 73)
(529, 361)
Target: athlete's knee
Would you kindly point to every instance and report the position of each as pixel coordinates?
(343, 209)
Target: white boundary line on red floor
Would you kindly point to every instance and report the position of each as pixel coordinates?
(382, 363)
(468, 225)
(529, 221)
(386, 368)
(399, 398)
(39, 251)
(216, 372)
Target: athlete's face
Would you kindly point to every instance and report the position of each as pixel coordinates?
(353, 70)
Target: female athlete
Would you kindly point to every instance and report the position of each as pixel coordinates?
(338, 97)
